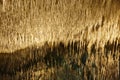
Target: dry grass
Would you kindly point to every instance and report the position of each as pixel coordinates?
(85, 28)
(61, 62)
(24, 23)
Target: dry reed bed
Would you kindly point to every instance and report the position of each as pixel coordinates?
(92, 27)
(25, 23)
(61, 61)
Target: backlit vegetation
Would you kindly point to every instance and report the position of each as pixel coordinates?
(60, 39)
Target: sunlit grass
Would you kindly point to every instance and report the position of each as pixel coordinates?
(93, 25)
